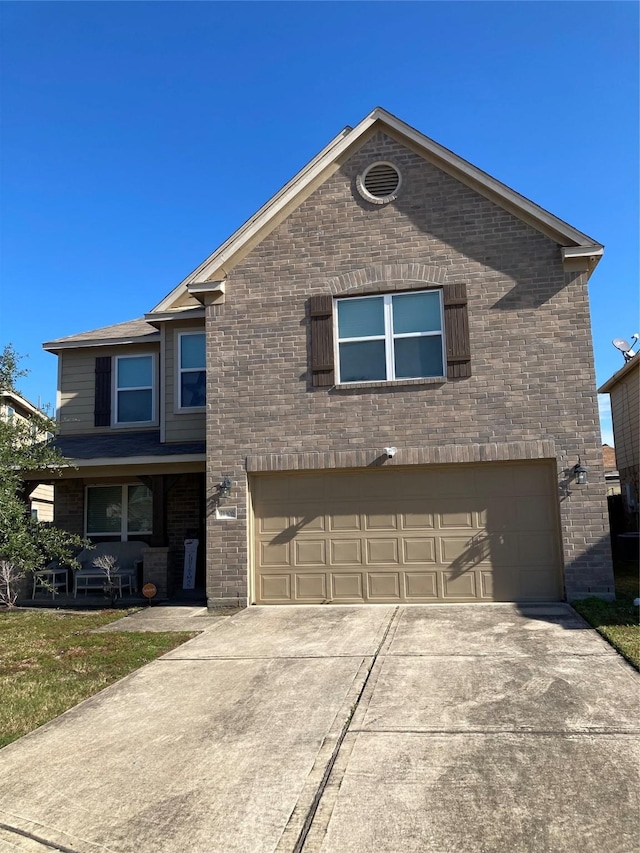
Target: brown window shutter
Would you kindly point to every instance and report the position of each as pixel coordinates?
(102, 408)
(321, 331)
(456, 330)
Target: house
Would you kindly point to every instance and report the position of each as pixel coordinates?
(623, 387)
(611, 475)
(15, 407)
(379, 389)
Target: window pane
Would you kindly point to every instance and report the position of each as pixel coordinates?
(134, 406)
(192, 351)
(135, 372)
(193, 388)
(418, 357)
(104, 509)
(416, 312)
(139, 510)
(360, 318)
(362, 362)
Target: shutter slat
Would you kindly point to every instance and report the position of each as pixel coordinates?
(456, 323)
(102, 406)
(321, 332)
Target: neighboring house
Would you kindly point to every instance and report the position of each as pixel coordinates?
(376, 390)
(624, 387)
(40, 495)
(611, 475)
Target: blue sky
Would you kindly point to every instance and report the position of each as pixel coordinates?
(137, 136)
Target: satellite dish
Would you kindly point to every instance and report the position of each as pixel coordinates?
(625, 347)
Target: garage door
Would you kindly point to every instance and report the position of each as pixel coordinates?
(483, 532)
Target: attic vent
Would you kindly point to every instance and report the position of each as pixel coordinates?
(379, 183)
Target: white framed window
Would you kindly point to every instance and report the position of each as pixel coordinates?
(121, 511)
(134, 396)
(192, 375)
(390, 337)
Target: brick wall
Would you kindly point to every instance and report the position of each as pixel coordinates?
(532, 364)
(185, 513)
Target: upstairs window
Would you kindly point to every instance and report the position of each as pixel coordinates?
(395, 336)
(192, 370)
(134, 389)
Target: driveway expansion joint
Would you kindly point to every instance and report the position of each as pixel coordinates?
(308, 821)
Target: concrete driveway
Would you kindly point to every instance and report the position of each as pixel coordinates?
(338, 729)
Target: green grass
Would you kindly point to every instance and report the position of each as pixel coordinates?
(617, 621)
(50, 661)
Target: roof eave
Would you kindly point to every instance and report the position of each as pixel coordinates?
(56, 346)
(620, 374)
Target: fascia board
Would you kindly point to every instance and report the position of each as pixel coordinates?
(197, 274)
(178, 315)
(55, 346)
(620, 374)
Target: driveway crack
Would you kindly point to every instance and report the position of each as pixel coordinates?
(313, 808)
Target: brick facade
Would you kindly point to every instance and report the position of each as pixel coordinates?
(532, 365)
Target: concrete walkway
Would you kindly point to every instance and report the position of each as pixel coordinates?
(339, 729)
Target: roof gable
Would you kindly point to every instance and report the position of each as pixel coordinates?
(210, 275)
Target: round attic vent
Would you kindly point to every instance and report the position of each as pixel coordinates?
(379, 183)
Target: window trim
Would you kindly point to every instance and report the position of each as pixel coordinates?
(123, 535)
(389, 338)
(115, 389)
(179, 408)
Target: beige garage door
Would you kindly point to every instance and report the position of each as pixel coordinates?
(483, 532)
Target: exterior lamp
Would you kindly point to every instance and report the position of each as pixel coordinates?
(580, 473)
(224, 488)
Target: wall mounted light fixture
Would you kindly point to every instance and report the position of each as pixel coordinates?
(580, 473)
(224, 488)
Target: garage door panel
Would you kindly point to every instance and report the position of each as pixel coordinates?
(310, 521)
(419, 551)
(344, 520)
(421, 585)
(382, 551)
(274, 523)
(448, 533)
(459, 586)
(310, 552)
(535, 549)
(533, 514)
(311, 587)
(275, 587)
(383, 586)
(455, 518)
(345, 552)
(499, 514)
(416, 520)
(347, 587)
(274, 554)
(380, 521)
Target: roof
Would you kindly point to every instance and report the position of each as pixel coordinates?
(123, 446)
(215, 268)
(133, 331)
(609, 459)
(624, 371)
(15, 399)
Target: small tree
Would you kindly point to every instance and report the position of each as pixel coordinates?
(25, 543)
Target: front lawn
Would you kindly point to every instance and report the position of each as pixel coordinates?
(617, 621)
(50, 661)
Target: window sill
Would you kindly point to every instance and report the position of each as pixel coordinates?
(395, 383)
(189, 410)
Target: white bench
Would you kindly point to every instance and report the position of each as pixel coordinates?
(90, 577)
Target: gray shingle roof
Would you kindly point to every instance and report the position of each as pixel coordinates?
(131, 329)
(122, 445)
